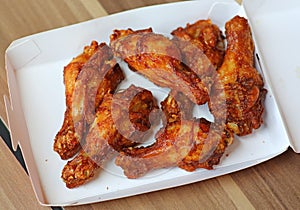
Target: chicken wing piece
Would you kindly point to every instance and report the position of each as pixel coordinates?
(159, 59)
(209, 139)
(204, 41)
(185, 142)
(202, 47)
(86, 84)
(173, 142)
(237, 95)
(134, 111)
(209, 144)
(99, 76)
(65, 143)
(131, 106)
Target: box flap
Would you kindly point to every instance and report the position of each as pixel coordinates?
(275, 25)
(17, 124)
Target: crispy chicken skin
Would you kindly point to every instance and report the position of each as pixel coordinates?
(104, 139)
(237, 95)
(202, 47)
(66, 140)
(159, 59)
(176, 107)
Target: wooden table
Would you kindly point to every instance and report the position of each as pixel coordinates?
(274, 184)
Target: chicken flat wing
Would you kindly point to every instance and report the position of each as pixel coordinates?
(132, 106)
(159, 59)
(237, 95)
(65, 143)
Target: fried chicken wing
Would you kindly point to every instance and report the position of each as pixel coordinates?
(184, 141)
(132, 106)
(209, 139)
(143, 112)
(202, 47)
(99, 76)
(159, 59)
(207, 37)
(237, 94)
(173, 142)
(209, 144)
(66, 140)
(87, 78)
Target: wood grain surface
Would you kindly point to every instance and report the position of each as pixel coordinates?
(274, 184)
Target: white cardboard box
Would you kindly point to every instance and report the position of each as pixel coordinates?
(37, 103)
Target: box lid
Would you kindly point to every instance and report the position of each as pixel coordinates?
(275, 25)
